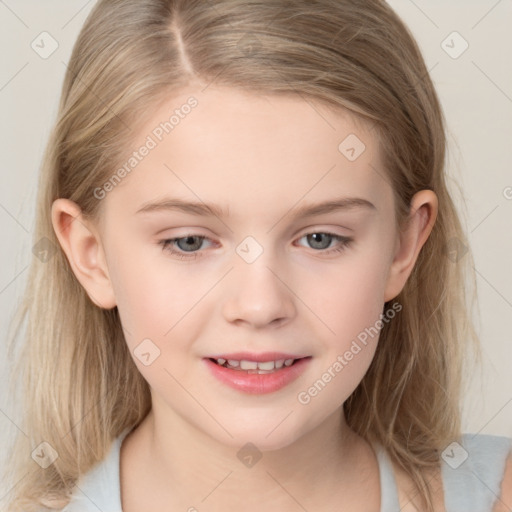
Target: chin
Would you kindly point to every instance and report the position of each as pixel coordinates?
(272, 432)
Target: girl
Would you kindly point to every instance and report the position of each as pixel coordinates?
(255, 288)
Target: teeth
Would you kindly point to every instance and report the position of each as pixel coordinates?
(264, 366)
(267, 365)
(248, 365)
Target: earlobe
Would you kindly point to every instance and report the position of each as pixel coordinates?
(422, 217)
(82, 246)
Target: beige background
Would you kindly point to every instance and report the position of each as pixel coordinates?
(476, 92)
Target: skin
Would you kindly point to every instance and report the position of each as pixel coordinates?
(263, 157)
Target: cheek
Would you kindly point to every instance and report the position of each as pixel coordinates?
(154, 310)
(351, 305)
(352, 310)
(151, 292)
(352, 297)
(160, 308)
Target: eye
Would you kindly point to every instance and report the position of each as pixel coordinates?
(186, 244)
(322, 240)
(189, 246)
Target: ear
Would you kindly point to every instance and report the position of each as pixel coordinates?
(82, 246)
(422, 217)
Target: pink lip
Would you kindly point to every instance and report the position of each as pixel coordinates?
(255, 383)
(259, 358)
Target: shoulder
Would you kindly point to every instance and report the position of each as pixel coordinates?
(473, 470)
(482, 453)
(504, 500)
(99, 489)
(475, 475)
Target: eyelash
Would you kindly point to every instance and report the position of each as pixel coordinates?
(167, 244)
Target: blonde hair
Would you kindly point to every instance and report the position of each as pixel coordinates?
(80, 386)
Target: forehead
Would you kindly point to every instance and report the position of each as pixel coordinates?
(246, 150)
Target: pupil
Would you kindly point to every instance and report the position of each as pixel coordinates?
(316, 236)
(190, 240)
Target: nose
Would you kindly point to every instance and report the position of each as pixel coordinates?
(258, 295)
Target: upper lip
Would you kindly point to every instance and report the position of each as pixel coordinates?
(259, 358)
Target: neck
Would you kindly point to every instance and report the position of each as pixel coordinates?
(185, 467)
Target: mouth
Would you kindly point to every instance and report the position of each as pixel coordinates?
(259, 367)
(257, 374)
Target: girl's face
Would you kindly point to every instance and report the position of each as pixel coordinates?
(254, 271)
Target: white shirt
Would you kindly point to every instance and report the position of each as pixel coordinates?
(472, 472)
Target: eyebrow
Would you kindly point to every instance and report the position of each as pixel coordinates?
(204, 209)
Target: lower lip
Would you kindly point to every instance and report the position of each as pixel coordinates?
(258, 383)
